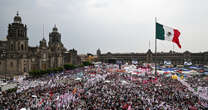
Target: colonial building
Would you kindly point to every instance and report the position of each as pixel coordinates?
(71, 57)
(88, 57)
(17, 57)
(149, 57)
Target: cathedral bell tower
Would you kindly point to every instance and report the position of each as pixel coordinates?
(55, 40)
(17, 35)
(54, 36)
(98, 52)
(43, 43)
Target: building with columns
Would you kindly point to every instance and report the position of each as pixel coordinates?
(17, 57)
(149, 57)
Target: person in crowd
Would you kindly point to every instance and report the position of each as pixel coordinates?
(102, 88)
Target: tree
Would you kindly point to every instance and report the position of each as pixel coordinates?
(87, 63)
(60, 69)
(69, 66)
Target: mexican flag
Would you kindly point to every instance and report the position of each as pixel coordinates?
(167, 33)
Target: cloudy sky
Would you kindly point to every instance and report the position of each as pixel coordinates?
(111, 25)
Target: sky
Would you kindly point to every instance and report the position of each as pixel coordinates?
(117, 26)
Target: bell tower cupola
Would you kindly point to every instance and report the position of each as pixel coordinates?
(54, 37)
(17, 18)
(17, 35)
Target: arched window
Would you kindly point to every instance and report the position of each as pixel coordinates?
(24, 69)
(11, 64)
(22, 46)
(12, 47)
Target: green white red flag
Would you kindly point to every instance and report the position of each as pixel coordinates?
(167, 33)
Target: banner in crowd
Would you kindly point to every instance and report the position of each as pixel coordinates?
(202, 92)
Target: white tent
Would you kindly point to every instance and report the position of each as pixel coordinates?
(78, 79)
(107, 81)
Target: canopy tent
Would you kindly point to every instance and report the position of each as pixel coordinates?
(78, 79)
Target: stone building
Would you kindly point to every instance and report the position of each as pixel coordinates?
(17, 57)
(71, 57)
(149, 57)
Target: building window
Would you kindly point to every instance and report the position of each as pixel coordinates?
(0, 63)
(11, 64)
(12, 47)
(22, 47)
(24, 69)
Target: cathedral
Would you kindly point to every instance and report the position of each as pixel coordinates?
(17, 57)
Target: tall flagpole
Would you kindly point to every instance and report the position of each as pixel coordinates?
(155, 48)
(173, 47)
(43, 31)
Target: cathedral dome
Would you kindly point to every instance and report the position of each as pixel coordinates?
(17, 18)
(43, 39)
(55, 29)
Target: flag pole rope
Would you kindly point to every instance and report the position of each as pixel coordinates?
(155, 48)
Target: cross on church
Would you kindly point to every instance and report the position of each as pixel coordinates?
(17, 13)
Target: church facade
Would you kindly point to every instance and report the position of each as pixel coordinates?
(17, 57)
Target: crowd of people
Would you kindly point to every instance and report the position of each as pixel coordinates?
(97, 88)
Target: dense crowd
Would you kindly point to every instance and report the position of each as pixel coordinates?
(101, 89)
